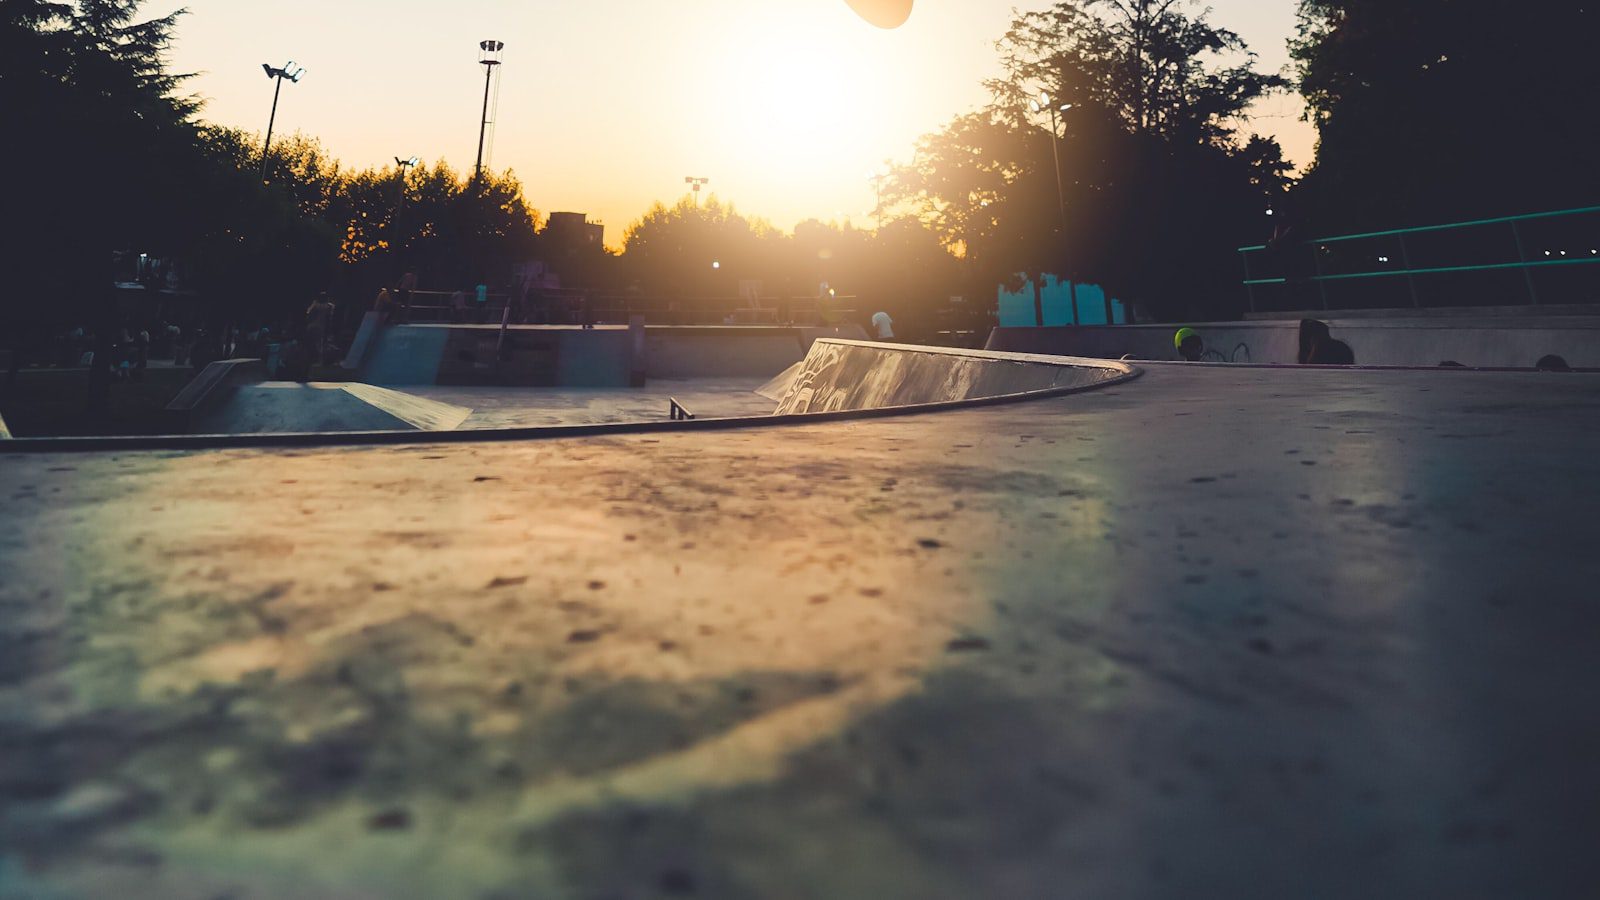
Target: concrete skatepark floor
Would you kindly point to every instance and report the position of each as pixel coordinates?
(1215, 633)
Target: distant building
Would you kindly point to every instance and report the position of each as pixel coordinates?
(573, 249)
(571, 232)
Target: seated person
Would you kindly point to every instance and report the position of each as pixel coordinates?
(1318, 347)
(1191, 348)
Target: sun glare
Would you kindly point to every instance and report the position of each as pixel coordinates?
(803, 94)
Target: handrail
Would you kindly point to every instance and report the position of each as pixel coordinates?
(1503, 220)
(1461, 258)
(1438, 270)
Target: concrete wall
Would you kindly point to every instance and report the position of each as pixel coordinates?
(1480, 343)
(404, 354)
(527, 357)
(733, 352)
(855, 375)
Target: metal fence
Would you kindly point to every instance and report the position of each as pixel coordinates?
(1541, 259)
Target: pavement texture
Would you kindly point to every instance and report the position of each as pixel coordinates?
(1214, 633)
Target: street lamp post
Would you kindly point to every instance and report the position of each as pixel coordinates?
(1042, 103)
(489, 57)
(403, 165)
(697, 184)
(877, 191)
(293, 71)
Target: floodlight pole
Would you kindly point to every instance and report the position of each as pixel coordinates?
(490, 50)
(697, 184)
(403, 165)
(276, 74)
(266, 149)
(1055, 153)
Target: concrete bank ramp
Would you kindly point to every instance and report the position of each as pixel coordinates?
(839, 376)
(778, 388)
(279, 407)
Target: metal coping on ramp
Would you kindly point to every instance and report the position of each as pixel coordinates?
(1119, 373)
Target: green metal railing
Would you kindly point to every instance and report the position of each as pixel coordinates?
(1582, 253)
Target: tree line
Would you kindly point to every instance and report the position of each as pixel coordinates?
(1114, 149)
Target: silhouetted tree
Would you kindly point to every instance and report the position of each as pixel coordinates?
(358, 229)
(671, 250)
(1156, 188)
(108, 144)
(1436, 110)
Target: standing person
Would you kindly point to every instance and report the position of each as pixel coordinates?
(458, 306)
(883, 326)
(141, 353)
(519, 310)
(318, 315)
(408, 283)
(383, 305)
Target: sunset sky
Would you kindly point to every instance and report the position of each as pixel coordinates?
(606, 105)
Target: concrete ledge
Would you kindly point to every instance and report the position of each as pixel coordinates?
(1108, 374)
(1483, 343)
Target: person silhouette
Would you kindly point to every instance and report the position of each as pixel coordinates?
(1318, 347)
(1191, 347)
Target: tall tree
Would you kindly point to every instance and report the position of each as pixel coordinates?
(694, 249)
(1435, 110)
(1148, 63)
(1155, 187)
(109, 143)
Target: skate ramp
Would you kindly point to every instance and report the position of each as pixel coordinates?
(778, 388)
(211, 389)
(277, 407)
(840, 376)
